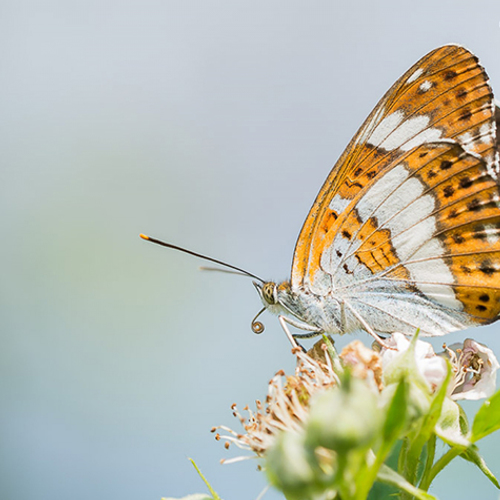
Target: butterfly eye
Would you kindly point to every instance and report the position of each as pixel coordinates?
(269, 293)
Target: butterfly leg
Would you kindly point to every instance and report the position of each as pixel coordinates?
(343, 317)
(293, 337)
(283, 324)
(366, 326)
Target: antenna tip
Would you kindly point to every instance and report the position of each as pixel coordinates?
(144, 237)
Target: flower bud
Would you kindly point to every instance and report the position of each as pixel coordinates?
(344, 417)
(415, 360)
(290, 466)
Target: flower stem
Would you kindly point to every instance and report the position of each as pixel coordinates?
(431, 453)
(212, 492)
(439, 466)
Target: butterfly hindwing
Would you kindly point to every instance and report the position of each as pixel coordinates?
(416, 227)
(443, 97)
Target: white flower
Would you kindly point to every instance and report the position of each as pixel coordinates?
(286, 406)
(474, 366)
(432, 368)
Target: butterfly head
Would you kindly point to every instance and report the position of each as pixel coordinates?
(271, 294)
(268, 292)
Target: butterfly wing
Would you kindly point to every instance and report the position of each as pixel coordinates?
(382, 217)
(427, 229)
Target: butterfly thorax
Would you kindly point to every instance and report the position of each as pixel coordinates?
(301, 304)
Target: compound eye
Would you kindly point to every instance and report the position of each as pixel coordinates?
(269, 293)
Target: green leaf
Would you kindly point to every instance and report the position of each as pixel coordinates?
(487, 419)
(389, 476)
(381, 491)
(195, 496)
(472, 455)
(395, 418)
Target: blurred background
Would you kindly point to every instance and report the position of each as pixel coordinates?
(210, 124)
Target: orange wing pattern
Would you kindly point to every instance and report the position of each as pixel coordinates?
(433, 227)
(444, 99)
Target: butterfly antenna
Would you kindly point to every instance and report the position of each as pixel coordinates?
(199, 255)
(219, 270)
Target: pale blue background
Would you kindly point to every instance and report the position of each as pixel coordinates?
(211, 124)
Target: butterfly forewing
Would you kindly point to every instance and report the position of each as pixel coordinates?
(444, 96)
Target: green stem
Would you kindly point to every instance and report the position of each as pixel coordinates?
(402, 463)
(411, 465)
(409, 462)
(431, 453)
(402, 456)
(369, 476)
(212, 492)
(344, 483)
(440, 465)
(366, 477)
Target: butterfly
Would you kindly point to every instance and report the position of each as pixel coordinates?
(404, 234)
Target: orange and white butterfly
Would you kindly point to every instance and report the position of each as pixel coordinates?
(405, 232)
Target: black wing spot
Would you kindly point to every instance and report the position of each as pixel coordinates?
(487, 268)
(479, 232)
(461, 94)
(339, 253)
(425, 153)
(448, 191)
(481, 308)
(450, 75)
(358, 171)
(465, 182)
(431, 174)
(484, 298)
(371, 174)
(346, 269)
(474, 205)
(346, 234)
(458, 238)
(445, 165)
(453, 213)
(466, 115)
(465, 269)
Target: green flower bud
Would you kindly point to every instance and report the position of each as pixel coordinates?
(417, 404)
(344, 417)
(290, 466)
